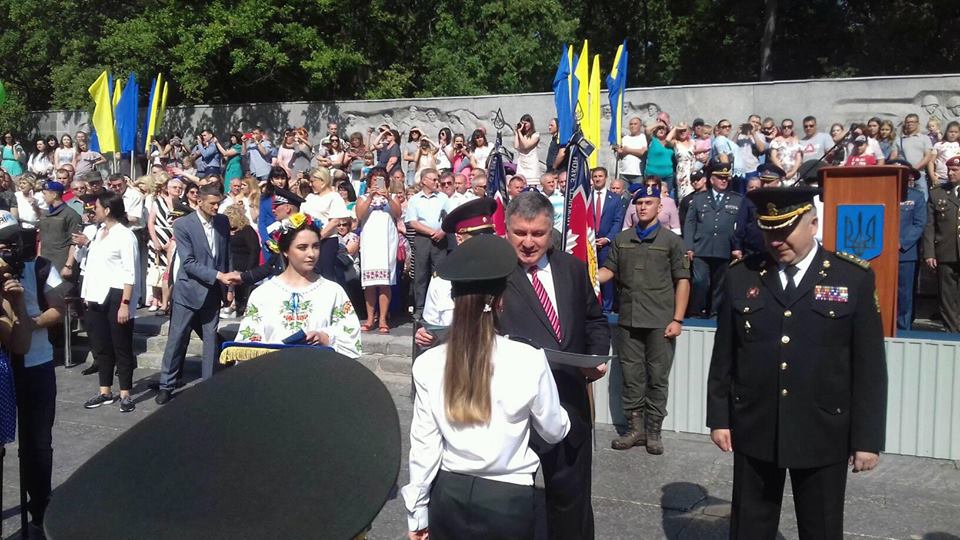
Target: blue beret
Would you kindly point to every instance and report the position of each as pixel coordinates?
(647, 192)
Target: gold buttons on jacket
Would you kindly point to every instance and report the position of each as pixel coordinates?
(788, 313)
(785, 340)
(784, 392)
(783, 366)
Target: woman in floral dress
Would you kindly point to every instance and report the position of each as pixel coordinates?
(299, 299)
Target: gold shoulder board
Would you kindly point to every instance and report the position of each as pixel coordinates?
(853, 259)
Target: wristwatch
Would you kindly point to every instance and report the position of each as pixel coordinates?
(125, 302)
(678, 321)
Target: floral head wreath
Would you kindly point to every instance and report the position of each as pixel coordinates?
(289, 225)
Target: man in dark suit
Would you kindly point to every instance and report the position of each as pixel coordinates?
(608, 211)
(203, 249)
(708, 232)
(913, 218)
(798, 377)
(550, 301)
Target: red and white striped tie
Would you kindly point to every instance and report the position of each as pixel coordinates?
(546, 303)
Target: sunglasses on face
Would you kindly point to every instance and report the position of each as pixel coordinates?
(446, 183)
(787, 126)
(725, 126)
(809, 125)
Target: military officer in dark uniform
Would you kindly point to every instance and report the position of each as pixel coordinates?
(652, 274)
(798, 377)
(941, 243)
(708, 233)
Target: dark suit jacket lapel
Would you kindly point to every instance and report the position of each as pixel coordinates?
(810, 278)
(770, 277)
(525, 293)
(565, 307)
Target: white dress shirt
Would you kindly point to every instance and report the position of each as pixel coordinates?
(522, 392)
(133, 205)
(802, 267)
(545, 275)
(209, 232)
(111, 263)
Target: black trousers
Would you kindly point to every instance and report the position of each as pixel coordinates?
(36, 405)
(709, 274)
(948, 276)
(758, 493)
(110, 341)
(429, 254)
(566, 478)
(464, 507)
(327, 263)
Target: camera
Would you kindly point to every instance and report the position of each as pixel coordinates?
(11, 261)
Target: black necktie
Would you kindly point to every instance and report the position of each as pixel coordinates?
(791, 287)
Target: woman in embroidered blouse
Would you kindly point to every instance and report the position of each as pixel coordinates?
(299, 299)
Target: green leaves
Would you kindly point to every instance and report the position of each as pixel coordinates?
(237, 51)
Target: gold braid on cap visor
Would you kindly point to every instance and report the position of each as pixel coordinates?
(790, 217)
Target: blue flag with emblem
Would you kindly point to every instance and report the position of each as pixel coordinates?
(860, 230)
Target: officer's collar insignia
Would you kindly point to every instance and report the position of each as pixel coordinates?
(753, 292)
(826, 264)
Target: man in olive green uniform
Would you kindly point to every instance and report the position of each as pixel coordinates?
(652, 274)
(941, 243)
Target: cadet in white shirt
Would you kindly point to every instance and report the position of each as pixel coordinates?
(477, 396)
(466, 221)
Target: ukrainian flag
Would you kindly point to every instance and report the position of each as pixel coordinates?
(102, 119)
(616, 87)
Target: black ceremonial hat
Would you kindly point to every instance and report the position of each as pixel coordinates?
(284, 196)
(781, 207)
(470, 216)
(479, 265)
(770, 172)
(294, 444)
(809, 170)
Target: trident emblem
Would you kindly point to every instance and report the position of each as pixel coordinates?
(860, 237)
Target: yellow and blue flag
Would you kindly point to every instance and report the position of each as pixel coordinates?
(102, 120)
(592, 130)
(127, 109)
(150, 121)
(561, 98)
(581, 87)
(616, 87)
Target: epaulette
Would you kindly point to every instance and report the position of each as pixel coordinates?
(524, 340)
(853, 259)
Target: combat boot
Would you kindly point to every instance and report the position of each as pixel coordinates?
(654, 442)
(634, 436)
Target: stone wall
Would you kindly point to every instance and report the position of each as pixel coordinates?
(830, 100)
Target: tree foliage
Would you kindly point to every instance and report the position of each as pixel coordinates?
(232, 51)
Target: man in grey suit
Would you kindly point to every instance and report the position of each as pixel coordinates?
(708, 233)
(203, 249)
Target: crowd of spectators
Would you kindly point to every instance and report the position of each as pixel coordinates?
(383, 239)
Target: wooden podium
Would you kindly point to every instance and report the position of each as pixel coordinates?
(861, 207)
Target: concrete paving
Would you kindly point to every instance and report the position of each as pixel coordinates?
(683, 494)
